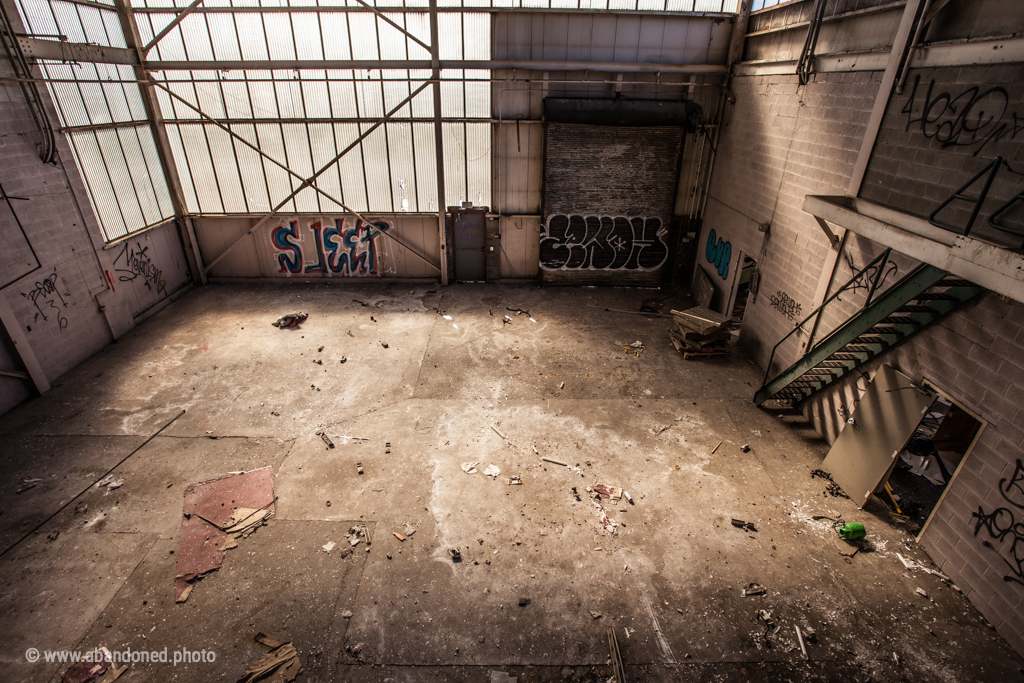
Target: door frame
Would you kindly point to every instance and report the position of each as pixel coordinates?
(931, 386)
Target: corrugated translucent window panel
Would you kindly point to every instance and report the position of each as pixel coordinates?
(395, 92)
(453, 100)
(66, 95)
(222, 151)
(403, 173)
(378, 180)
(478, 162)
(90, 160)
(152, 160)
(343, 101)
(132, 92)
(185, 90)
(209, 96)
(143, 177)
(289, 99)
(279, 36)
(393, 43)
(278, 180)
(251, 36)
(37, 17)
(184, 171)
(172, 46)
(92, 25)
(350, 167)
(236, 100)
(450, 26)
(426, 166)
(369, 97)
(454, 136)
(419, 26)
(196, 36)
(363, 34)
(422, 104)
(308, 43)
(250, 168)
(224, 36)
(121, 179)
(193, 138)
(321, 141)
(477, 36)
(300, 161)
(334, 26)
(264, 97)
(478, 94)
(315, 97)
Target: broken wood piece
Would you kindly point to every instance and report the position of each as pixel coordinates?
(283, 659)
(753, 589)
(716, 447)
(399, 536)
(326, 439)
(746, 526)
(554, 462)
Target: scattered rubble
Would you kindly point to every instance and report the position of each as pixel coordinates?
(700, 333)
(833, 488)
(746, 526)
(753, 589)
(282, 662)
(290, 320)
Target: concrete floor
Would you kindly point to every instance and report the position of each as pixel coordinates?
(669, 579)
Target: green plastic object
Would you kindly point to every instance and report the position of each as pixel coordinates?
(853, 531)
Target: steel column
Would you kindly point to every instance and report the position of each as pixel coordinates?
(435, 64)
(163, 144)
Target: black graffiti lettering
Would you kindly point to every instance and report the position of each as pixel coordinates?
(863, 281)
(1011, 488)
(44, 296)
(784, 304)
(973, 117)
(138, 264)
(1002, 523)
(602, 243)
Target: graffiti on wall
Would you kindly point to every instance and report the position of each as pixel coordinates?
(718, 253)
(45, 296)
(603, 243)
(869, 275)
(342, 248)
(134, 262)
(1004, 524)
(970, 118)
(785, 305)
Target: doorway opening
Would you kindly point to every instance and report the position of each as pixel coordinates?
(931, 459)
(739, 306)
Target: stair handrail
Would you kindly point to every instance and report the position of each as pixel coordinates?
(816, 313)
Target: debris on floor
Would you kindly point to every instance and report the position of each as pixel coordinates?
(596, 615)
(713, 450)
(326, 439)
(357, 534)
(93, 667)
(456, 555)
(618, 670)
(399, 536)
(753, 589)
(634, 349)
(502, 677)
(215, 515)
(469, 467)
(515, 480)
(328, 547)
(290, 320)
(746, 526)
(492, 471)
(600, 490)
(745, 448)
(282, 662)
(700, 333)
(912, 565)
(833, 488)
(553, 461)
(359, 468)
(29, 483)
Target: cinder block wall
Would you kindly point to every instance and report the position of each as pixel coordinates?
(782, 142)
(56, 294)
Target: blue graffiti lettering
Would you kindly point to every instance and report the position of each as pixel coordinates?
(719, 253)
(282, 238)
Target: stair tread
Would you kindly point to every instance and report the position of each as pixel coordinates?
(915, 308)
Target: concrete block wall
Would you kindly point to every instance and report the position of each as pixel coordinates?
(976, 357)
(781, 141)
(56, 295)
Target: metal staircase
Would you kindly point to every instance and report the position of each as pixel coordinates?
(917, 300)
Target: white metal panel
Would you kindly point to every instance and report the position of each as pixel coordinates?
(519, 174)
(555, 38)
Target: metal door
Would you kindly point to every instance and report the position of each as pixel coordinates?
(883, 422)
(469, 234)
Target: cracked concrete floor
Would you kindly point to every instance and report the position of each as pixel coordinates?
(456, 382)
